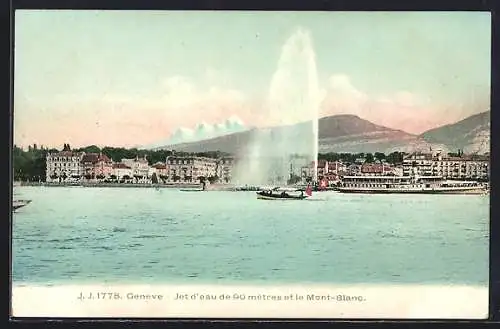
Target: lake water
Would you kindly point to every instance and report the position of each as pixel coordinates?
(138, 235)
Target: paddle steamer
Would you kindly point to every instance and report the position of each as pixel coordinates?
(408, 184)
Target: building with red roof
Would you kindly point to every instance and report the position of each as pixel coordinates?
(376, 169)
(96, 166)
(160, 169)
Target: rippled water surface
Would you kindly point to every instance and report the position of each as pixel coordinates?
(167, 236)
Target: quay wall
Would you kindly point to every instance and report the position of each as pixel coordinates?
(111, 185)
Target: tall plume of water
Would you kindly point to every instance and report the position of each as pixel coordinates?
(276, 151)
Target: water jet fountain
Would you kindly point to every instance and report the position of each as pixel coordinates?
(290, 138)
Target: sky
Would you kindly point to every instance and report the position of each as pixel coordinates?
(129, 78)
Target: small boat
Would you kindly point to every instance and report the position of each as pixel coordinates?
(16, 204)
(284, 194)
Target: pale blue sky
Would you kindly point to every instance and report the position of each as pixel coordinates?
(69, 57)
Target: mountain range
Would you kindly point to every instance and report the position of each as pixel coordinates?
(350, 133)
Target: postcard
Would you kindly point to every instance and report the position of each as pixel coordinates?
(244, 164)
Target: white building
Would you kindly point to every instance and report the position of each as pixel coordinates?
(190, 169)
(122, 172)
(140, 168)
(337, 167)
(462, 167)
(307, 172)
(63, 166)
(418, 164)
(448, 167)
(160, 170)
(225, 167)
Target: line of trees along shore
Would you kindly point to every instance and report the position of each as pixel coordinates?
(30, 164)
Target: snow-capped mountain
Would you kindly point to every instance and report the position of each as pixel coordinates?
(202, 131)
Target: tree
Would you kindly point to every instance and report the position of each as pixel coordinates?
(395, 157)
(379, 156)
(89, 149)
(369, 158)
(201, 179)
(154, 178)
(176, 178)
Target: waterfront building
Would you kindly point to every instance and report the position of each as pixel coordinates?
(159, 169)
(376, 169)
(225, 167)
(96, 166)
(322, 168)
(190, 169)
(122, 172)
(418, 163)
(63, 166)
(463, 166)
(139, 167)
(336, 167)
(103, 167)
(329, 170)
(307, 172)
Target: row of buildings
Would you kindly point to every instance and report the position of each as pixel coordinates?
(332, 171)
(68, 166)
(72, 166)
(472, 167)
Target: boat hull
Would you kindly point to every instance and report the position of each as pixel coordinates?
(19, 204)
(413, 191)
(263, 196)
